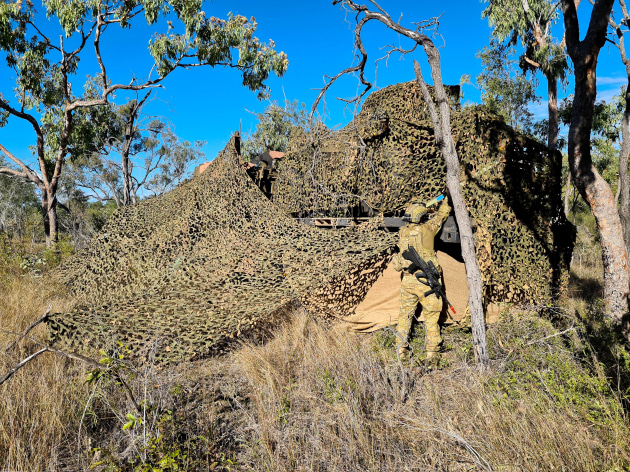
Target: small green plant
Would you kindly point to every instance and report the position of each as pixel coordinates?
(33, 265)
(285, 403)
(332, 391)
(152, 430)
(385, 339)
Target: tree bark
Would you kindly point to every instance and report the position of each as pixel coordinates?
(567, 195)
(593, 188)
(124, 157)
(49, 215)
(624, 183)
(444, 139)
(552, 107)
(52, 236)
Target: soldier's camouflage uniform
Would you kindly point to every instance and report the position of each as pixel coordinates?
(421, 237)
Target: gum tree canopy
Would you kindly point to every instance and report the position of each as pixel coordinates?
(43, 56)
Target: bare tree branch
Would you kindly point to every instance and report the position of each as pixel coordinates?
(26, 173)
(28, 330)
(360, 67)
(69, 355)
(23, 115)
(12, 372)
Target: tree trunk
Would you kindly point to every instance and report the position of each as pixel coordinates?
(124, 155)
(126, 196)
(49, 214)
(129, 191)
(552, 106)
(53, 236)
(596, 192)
(593, 188)
(567, 195)
(444, 139)
(134, 198)
(624, 184)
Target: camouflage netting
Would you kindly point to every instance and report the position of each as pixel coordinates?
(387, 156)
(185, 272)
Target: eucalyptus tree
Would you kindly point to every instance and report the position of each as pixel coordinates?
(140, 155)
(43, 56)
(274, 128)
(591, 185)
(529, 23)
(505, 90)
(623, 192)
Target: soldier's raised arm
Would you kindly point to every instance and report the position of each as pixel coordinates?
(436, 221)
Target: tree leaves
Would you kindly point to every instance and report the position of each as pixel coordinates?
(275, 127)
(505, 90)
(529, 24)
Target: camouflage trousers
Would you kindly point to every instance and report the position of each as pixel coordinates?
(412, 293)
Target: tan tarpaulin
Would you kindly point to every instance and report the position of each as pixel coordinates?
(380, 306)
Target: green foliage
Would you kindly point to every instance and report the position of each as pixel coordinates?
(333, 391)
(511, 23)
(607, 116)
(504, 89)
(551, 367)
(275, 127)
(211, 41)
(92, 127)
(163, 431)
(608, 344)
(284, 408)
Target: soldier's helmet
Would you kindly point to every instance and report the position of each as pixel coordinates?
(414, 213)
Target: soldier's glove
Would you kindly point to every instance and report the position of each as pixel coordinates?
(399, 263)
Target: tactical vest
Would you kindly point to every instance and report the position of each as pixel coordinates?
(421, 238)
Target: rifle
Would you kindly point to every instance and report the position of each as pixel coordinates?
(423, 270)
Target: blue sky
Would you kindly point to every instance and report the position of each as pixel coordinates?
(209, 104)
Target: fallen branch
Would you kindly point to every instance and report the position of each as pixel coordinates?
(572, 328)
(69, 355)
(28, 330)
(21, 364)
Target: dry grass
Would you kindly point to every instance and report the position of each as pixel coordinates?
(320, 399)
(40, 405)
(326, 400)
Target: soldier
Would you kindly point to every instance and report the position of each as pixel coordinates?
(419, 234)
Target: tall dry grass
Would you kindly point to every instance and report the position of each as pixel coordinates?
(40, 406)
(329, 400)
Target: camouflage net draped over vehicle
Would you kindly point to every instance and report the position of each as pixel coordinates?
(387, 156)
(202, 264)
